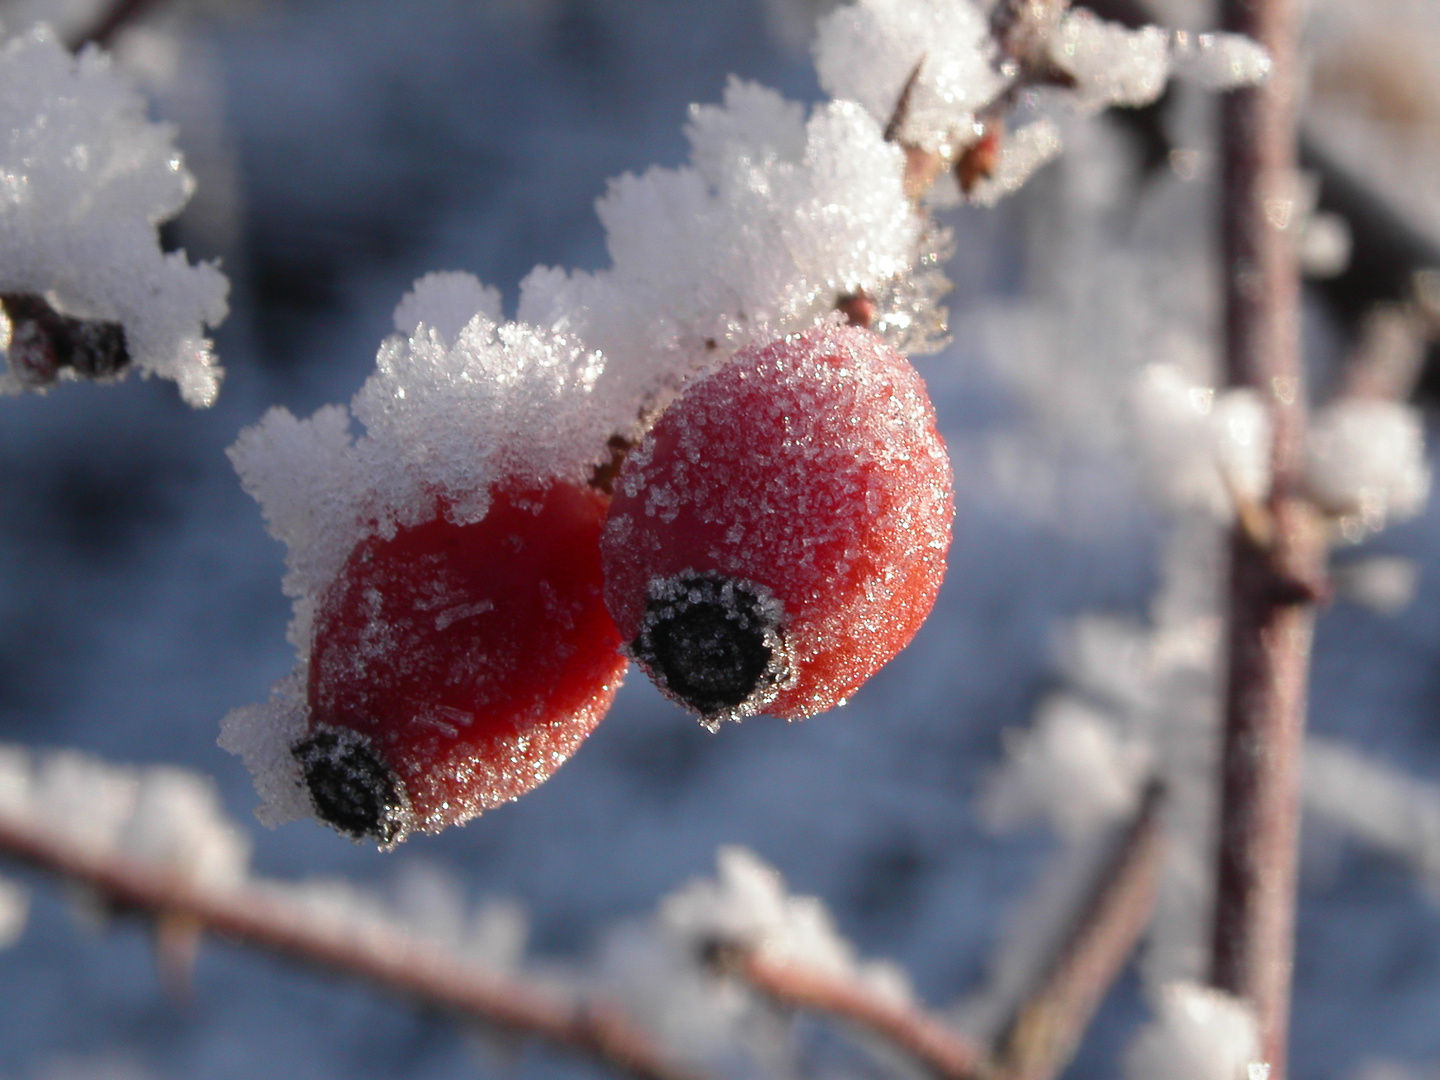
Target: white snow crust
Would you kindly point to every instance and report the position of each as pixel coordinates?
(771, 224)
(1218, 61)
(1111, 64)
(445, 300)
(869, 50)
(85, 179)
(1073, 768)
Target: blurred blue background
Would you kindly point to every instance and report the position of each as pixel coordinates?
(349, 147)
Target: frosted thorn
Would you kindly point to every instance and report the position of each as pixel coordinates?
(603, 478)
(714, 644)
(896, 123)
(1257, 524)
(1298, 589)
(351, 788)
(43, 342)
(177, 946)
(978, 161)
(858, 308)
(1255, 520)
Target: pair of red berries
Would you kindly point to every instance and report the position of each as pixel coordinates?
(778, 535)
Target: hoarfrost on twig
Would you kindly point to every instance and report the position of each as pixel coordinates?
(747, 903)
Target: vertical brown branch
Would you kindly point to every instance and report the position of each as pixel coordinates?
(1273, 588)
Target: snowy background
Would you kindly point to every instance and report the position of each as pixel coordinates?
(345, 148)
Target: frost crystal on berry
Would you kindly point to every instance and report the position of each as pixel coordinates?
(715, 644)
(781, 532)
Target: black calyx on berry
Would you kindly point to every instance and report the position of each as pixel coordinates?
(714, 643)
(351, 788)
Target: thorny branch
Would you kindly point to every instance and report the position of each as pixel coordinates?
(423, 972)
(1037, 1044)
(1041, 1037)
(942, 1051)
(1045, 1031)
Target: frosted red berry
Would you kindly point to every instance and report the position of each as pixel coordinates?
(455, 667)
(781, 532)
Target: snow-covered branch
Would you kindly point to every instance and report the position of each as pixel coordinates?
(933, 1044)
(262, 917)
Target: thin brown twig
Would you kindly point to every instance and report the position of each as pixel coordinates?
(421, 971)
(1042, 1037)
(930, 1042)
(1272, 588)
(1385, 363)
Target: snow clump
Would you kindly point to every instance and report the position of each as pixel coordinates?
(1219, 61)
(1198, 1033)
(1111, 65)
(445, 300)
(1366, 463)
(774, 222)
(168, 818)
(747, 905)
(1199, 448)
(85, 179)
(941, 74)
(1073, 767)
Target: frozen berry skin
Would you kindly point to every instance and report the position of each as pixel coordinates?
(781, 531)
(455, 667)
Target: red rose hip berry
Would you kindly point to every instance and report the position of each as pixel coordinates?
(781, 532)
(455, 667)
